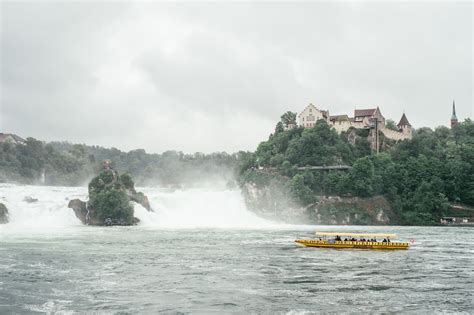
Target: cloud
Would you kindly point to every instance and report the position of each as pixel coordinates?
(215, 77)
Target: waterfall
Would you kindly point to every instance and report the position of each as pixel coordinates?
(187, 208)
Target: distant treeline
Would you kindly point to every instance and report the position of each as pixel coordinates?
(62, 163)
(418, 176)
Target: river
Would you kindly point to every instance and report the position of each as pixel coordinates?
(203, 252)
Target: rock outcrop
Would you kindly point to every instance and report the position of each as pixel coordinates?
(110, 197)
(80, 210)
(87, 215)
(30, 199)
(351, 211)
(3, 214)
(273, 202)
(139, 198)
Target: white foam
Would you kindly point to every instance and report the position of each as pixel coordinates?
(196, 208)
(187, 208)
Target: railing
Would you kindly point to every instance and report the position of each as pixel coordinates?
(313, 168)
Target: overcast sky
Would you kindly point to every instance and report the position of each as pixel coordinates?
(216, 77)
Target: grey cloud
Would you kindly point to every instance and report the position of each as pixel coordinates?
(213, 77)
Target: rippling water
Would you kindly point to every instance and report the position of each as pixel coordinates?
(150, 269)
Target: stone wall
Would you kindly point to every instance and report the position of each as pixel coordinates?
(395, 135)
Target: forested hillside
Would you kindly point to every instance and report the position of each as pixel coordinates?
(419, 177)
(63, 163)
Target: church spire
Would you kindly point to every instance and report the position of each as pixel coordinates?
(454, 118)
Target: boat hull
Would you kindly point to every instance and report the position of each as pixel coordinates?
(353, 244)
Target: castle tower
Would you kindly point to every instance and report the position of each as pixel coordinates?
(454, 118)
(404, 126)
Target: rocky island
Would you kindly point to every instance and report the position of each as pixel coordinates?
(110, 197)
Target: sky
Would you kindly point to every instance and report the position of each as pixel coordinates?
(208, 77)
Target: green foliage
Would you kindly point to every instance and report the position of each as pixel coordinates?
(390, 124)
(108, 196)
(320, 145)
(362, 177)
(300, 188)
(73, 165)
(418, 176)
(279, 127)
(114, 204)
(27, 163)
(127, 181)
(288, 118)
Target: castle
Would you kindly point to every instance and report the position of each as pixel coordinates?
(363, 119)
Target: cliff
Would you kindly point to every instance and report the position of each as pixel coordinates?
(274, 202)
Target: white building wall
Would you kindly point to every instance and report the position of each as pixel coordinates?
(310, 115)
(341, 126)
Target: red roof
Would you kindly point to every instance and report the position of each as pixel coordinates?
(364, 112)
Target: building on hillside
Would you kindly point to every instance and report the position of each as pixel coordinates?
(11, 138)
(341, 122)
(310, 115)
(363, 119)
(454, 118)
(405, 130)
(404, 126)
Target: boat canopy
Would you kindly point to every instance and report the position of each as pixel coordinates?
(355, 234)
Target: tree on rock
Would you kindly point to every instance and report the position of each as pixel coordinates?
(114, 205)
(110, 195)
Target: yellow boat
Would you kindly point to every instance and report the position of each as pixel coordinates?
(353, 240)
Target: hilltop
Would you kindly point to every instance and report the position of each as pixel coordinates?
(418, 178)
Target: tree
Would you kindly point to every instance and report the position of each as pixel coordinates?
(279, 127)
(288, 118)
(114, 204)
(426, 206)
(390, 124)
(362, 177)
(316, 146)
(300, 190)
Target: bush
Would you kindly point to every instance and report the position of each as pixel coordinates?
(114, 204)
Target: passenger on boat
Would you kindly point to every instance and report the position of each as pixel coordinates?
(345, 240)
(338, 238)
(388, 240)
(384, 241)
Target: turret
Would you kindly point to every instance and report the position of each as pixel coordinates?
(454, 118)
(404, 126)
